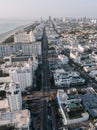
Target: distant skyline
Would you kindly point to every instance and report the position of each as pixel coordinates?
(34, 9)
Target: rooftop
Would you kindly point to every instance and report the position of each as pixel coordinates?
(4, 104)
(20, 118)
(73, 110)
(90, 101)
(71, 104)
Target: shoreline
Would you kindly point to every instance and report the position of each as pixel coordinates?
(4, 36)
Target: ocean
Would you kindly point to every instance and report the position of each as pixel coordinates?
(7, 25)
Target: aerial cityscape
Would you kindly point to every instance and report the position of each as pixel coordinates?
(48, 67)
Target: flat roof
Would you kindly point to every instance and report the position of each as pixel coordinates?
(73, 110)
(19, 118)
(4, 104)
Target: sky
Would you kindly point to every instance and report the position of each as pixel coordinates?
(29, 9)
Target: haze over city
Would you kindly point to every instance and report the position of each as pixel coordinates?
(48, 65)
(28, 9)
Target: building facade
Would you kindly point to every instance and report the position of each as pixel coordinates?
(24, 37)
(22, 75)
(14, 96)
(19, 49)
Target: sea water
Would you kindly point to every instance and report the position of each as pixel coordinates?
(9, 24)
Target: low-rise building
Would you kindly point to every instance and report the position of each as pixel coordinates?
(4, 105)
(65, 79)
(90, 101)
(12, 62)
(64, 59)
(71, 108)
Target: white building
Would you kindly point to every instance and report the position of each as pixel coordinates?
(2, 86)
(61, 78)
(4, 105)
(22, 75)
(80, 48)
(19, 119)
(14, 96)
(93, 74)
(68, 103)
(5, 79)
(20, 49)
(75, 56)
(13, 62)
(65, 79)
(24, 37)
(63, 58)
(33, 63)
(31, 48)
